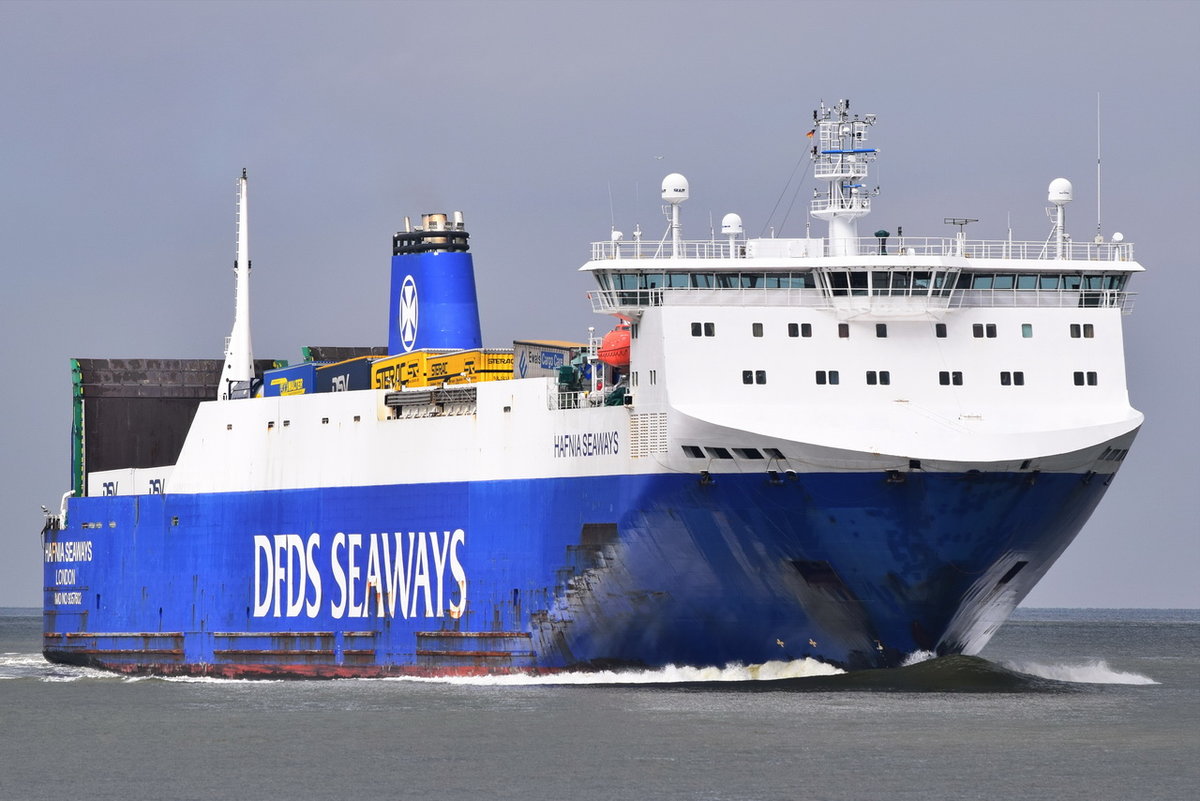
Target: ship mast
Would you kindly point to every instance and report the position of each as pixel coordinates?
(840, 159)
(238, 372)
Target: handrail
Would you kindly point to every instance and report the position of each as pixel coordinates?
(607, 301)
(870, 246)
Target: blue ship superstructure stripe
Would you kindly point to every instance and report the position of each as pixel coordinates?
(854, 569)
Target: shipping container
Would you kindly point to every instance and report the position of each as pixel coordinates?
(299, 379)
(543, 358)
(398, 372)
(470, 366)
(344, 376)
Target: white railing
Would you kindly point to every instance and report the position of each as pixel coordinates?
(607, 301)
(893, 246)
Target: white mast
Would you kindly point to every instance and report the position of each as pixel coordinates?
(840, 158)
(239, 357)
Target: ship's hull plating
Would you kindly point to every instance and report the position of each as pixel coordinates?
(857, 570)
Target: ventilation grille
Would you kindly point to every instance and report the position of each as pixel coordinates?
(648, 434)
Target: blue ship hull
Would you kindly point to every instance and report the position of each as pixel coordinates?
(858, 570)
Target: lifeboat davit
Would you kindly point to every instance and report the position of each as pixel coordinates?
(614, 348)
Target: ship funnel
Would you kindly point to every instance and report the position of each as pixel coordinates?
(433, 301)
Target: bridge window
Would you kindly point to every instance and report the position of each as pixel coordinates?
(703, 280)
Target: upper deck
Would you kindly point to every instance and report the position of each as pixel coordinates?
(909, 275)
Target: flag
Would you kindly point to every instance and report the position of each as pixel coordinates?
(810, 133)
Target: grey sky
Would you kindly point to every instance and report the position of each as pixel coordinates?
(125, 124)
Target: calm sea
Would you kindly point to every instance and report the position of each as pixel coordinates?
(1065, 704)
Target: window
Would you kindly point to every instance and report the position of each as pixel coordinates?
(1089, 331)
(948, 377)
(1092, 379)
(774, 453)
(653, 376)
(979, 330)
(693, 451)
(633, 330)
(719, 453)
(844, 330)
(756, 329)
(1078, 378)
(747, 376)
(760, 376)
(827, 377)
(881, 330)
(1089, 378)
(697, 329)
(710, 329)
(881, 377)
(1027, 330)
(1008, 379)
(799, 329)
(939, 330)
(1076, 331)
(748, 453)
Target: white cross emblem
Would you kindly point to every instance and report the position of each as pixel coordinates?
(408, 313)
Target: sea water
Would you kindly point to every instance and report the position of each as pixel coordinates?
(1062, 704)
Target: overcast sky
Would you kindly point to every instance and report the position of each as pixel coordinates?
(125, 124)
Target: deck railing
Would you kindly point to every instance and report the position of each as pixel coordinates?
(871, 246)
(613, 300)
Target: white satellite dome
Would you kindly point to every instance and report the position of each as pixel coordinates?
(675, 188)
(731, 224)
(1060, 191)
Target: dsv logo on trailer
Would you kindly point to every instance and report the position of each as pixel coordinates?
(418, 574)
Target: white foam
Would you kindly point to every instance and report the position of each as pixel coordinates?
(917, 657)
(1094, 672)
(672, 674)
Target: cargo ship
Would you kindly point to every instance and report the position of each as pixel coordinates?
(833, 447)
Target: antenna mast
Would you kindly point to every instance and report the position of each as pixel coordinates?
(238, 372)
(1099, 230)
(840, 159)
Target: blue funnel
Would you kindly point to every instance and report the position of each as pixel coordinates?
(433, 303)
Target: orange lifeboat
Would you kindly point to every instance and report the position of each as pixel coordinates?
(614, 348)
